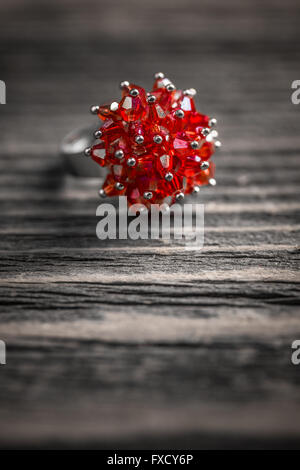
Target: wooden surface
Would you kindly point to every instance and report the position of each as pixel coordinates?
(122, 344)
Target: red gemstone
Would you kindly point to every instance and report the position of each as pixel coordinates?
(111, 130)
(191, 166)
(198, 119)
(207, 150)
(187, 104)
(169, 100)
(107, 111)
(205, 176)
(182, 144)
(153, 147)
(110, 186)
(133, 105)
(98, 154)
(121, 145)
(155, 113)
(160, 83)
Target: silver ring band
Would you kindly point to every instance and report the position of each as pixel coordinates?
(72, 150)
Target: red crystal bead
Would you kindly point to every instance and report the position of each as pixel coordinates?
(111, 130)
(169, 100)
(181, 144)
(153, 144)
(133, 105)
(107, 111)
(207, 150)
(161, 83)
(205, 176)
(187, 104)
(110, 186)
(155, 113)
(98, 154)
(198, 120)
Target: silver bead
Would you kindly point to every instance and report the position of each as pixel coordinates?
(87, 152)
(204, 165)
(214, 133)
(170, 87)
(218, 144)
(159, 75)
(139, 139)
(212, 122)
(168, 176)
(179, 113)
(148, 195)
(114, 106)
(205, 131)
(94, 109)
(179, 197)
(134, 92)
(151, 99)
(131, 161)
(190, 92)
(158, 139)
(196, 189)
(194, 144)
(98, 134)
(102, 193)
(119, 154)
(119, 186)
(212, 182)
(124, 84)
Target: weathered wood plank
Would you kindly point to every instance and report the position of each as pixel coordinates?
(235, 238)
(143, 344)
(183, 298)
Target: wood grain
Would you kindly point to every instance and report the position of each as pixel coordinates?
(122, 344)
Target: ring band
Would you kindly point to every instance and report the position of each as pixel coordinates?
(72, 148)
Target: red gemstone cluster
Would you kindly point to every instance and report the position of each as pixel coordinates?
(156, 145)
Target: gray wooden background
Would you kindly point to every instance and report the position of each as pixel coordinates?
(122, 344)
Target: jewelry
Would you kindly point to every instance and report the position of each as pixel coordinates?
(154, 146)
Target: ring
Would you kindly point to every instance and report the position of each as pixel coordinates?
(152, 147)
